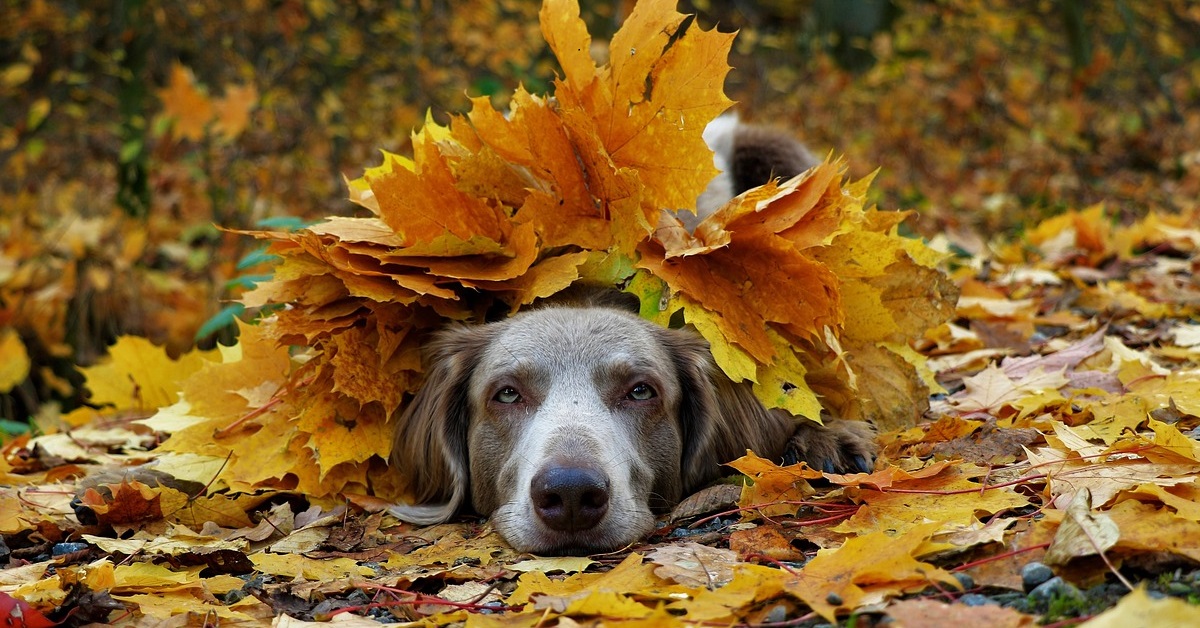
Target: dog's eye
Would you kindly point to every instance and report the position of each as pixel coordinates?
(642, 392)
(508, 394)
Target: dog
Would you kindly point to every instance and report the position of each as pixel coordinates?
(573, 425)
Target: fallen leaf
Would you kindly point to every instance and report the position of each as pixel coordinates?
(1139, 609)
(936, 614)
(694, 565)
(1082, 532)
(867, 569)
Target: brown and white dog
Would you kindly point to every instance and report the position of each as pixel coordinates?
(573, 425)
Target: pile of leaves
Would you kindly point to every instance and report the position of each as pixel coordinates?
(1062, 428)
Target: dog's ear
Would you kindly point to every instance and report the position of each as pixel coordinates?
(719, 419)
(430, 448)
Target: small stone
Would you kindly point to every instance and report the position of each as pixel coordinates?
(833, 599)
(1008, 598)
(976, 599)
(965, 580)
(1034, 574)
(67, 548)
(777, 614)
(1055, 587)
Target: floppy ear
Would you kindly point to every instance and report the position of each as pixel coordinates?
(718, 419)
(430, 448)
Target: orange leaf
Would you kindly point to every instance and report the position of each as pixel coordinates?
(773, 484)
(424, 205)
(233, 111)
(191, 108)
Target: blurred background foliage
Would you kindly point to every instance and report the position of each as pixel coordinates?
(129, 129)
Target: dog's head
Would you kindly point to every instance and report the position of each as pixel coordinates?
(570, 426)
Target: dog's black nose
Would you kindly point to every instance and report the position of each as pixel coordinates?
(570, 498)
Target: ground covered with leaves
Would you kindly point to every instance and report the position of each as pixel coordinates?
(1037, 393)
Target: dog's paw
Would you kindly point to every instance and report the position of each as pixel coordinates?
(836, 447)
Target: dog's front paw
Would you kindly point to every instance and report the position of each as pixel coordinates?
(836, 447)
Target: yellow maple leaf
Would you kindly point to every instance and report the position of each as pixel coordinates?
(14, 360)
(867, 569)
(949, 498)
(1150, 528)
(138, 375)
(652, 87)
(1138, 608)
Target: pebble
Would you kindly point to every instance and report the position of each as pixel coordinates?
(1035, 574)
(67, 548)
(1055, 587)
(976, 599)
(833, 599)
(777, 614)
(965, 580)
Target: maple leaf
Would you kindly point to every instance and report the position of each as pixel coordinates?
(867, 569)
(1073, 464)
(131, 502)
(660, 83)
(774, 486)
(1082, 532)
(139, 375)
(1150, 528)
(923, 613)
(1139, 608)
(941, 492)
(232, 112)
(770, 278)
(190, 108)
(694, 565)
(14, 360)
